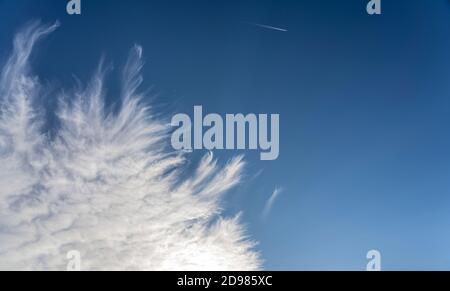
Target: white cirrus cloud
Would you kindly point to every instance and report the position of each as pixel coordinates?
(105, 183)
(271, 201)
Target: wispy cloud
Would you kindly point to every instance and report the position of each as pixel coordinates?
(105, 184)
(271, 201)
(268, 26)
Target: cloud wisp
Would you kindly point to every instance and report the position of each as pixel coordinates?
(271, 201)
(105, 183)
(268, 26)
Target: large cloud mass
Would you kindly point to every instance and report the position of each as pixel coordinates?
(104, 184)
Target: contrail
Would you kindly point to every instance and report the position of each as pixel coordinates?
(268, 26)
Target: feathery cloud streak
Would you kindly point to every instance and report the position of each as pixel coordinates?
(105, 184)
(271, 201)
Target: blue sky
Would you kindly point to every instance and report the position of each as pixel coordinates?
(364, 103)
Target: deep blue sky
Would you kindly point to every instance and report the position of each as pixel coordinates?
(364, 104)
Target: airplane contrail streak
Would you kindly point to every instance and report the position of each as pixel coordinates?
(268, 27)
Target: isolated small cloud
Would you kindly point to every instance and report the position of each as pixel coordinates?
(271, 201)
(105, 184)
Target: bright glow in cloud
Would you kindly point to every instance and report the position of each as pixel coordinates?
(105, 184)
